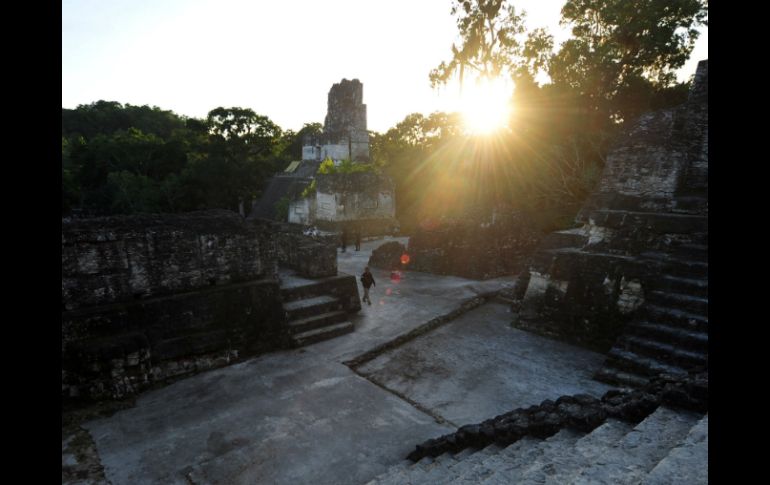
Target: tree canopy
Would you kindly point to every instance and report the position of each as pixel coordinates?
(569, 101)
(493, 43)
(120, 159)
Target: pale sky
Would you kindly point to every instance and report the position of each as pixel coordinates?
(279, 58)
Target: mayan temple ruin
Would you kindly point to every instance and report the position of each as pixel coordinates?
(344, 133)
(362, 202)
(632, 278)
(205, 347)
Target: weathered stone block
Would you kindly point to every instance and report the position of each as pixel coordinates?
(473, 250)
(119, 259)
(312, 256)
(100, 343)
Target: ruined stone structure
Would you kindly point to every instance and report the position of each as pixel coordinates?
(344, 134)
(472, 249)
(363, 202)
(145, 298)
(635, 275)
(148, 298)
(655, 435)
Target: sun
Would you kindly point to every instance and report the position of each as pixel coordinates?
(485, 105)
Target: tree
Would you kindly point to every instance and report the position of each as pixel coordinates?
(622, 53)
(106, 117)
(127, 159)
(416, 152)
(493, 43)
(240, 155)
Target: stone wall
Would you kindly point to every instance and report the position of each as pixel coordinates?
(345, 135)
(648, 218)
(580, 412)
(302, 211)
(147, 298)
(581, 297)
(661, 156)
(312, 256)
(473, 250)
(366, 227)
(364, 198)
(345, 122)
(121, 259)
(114, 351)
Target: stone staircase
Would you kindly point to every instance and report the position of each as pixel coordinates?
(668, 446)
(313, 313)
(670, 335)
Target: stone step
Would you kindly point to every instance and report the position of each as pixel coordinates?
(422, 462)
(687, 268)
(691, 204)
(684, 339)
(657, 222)
(630, 459)
(316, 321)
(568, 238)
(295, 287)
(300, 288)
(464, 453)
(396, 477)
(319, 334)
(399, 473)
(691, 251)
(686, 463)
(687, 286)
(616, 377)
(461, 468)
(586, 451)
(509, 458)
(392, 470)
(311, 306)
(663, 352)
(677, 318)
(676, 266)
(437, 472)
(552, 451)
(437, 461)
(467, 459)
(632, 362)
(687, 303)
(417, 472)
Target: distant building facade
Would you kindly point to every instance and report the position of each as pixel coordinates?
(365, 202)
(344, 134)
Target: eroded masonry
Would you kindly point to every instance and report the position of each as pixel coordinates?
(146, 299)
(634, 279)
(150, 298)
(362, 202)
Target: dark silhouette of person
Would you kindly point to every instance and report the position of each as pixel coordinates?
(368, 281)
(344, 238)
(358, 239)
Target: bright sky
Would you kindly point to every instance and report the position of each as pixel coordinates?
(279, 58)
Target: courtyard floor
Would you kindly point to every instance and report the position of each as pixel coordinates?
(303, 416)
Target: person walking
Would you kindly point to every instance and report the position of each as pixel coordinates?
(358, 239)
(368, 281)
(344, 239)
